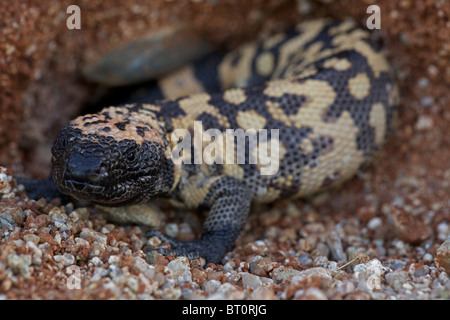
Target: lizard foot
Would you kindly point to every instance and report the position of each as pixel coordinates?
(209, 247)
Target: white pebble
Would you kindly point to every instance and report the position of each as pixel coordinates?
(65, 259)
(211, 286)
(113, 259)
(374, 223)
(250, 280)
(424, 123)
(95, 262)
(171, 229)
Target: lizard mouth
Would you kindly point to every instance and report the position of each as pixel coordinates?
(83, 187)
(115, 195)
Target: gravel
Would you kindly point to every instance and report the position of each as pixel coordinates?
(46, 250)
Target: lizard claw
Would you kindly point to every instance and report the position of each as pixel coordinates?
(161, 236)
(210, 251)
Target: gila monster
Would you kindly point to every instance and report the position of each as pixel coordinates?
(324, 85)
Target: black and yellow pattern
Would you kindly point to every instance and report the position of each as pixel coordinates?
(325, 86)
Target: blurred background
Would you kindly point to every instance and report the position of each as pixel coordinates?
(41, 87)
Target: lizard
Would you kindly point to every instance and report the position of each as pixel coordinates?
(325, 86)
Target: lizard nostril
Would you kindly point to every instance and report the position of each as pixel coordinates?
(86, 168)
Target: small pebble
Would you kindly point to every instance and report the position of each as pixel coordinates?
(426, 101)
(65, 259)
(89, 234)
(397, 279)
(283, 274)
(357, 256)
(310, 294)
(180, 268)
(407, 226)
(20, 264)
(250, 281)
(228, 291)
(211, 286)
(424, 123)
(11, 214)
(374, 223)
(31, 237)
(442, 258)
(262, 293)
(423, 82)
(335, 244)
(6, 181)
(171, 229)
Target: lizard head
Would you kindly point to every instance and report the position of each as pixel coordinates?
(115, 157)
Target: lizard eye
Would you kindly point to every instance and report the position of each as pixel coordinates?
(131, 156)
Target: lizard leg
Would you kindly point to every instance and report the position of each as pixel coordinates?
(229, 201)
